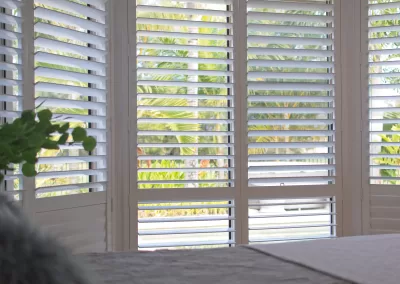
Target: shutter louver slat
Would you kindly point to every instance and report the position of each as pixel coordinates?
(11, 4)
(69, 62)
(70, 76)
(183, 60)
(288, 52)
(11, 82)
(184, 119)
(67, 33)
(10, 20)
(180, 35)
(181, 23)
(69, 48)
(291, 6)
(66, 89)
(289, 17)
(183, 11)
(10, 35)
(12, 51)
(291, 122)
(68, 20)
(288, 29)
(75, 8)
(48, 102)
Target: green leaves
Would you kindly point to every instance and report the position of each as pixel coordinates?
(30, 156)
(79, 134)
(63, 139)
(89, 143)
(28, 170)
(45, 115)
(28, 115)
(22, 140)
(63, 128)
(50, 145)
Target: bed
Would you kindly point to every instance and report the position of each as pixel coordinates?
(363, 260)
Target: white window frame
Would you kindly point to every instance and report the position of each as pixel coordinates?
(348, 188)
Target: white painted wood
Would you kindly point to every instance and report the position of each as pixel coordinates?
(75, 215)
(351, 155)
(28, 91)
(132, 126)
(385, 224)
(240, 87)
(183, 194)
(77, 227)
(384, 201)
(291, 191)
(71, 201)
(385, 190)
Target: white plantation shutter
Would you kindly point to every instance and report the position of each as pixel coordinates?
(185, 122)
(383, 120)
(206, 152)
(291, 117)
(291, 120)
(283, 220)
(11, 79)
(70, 76)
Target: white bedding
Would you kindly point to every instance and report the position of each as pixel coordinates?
(361, 260)
(364, 259)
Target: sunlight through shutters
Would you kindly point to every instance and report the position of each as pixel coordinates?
(185, 115)
(291, 102)
(70, 74)
(383, 116)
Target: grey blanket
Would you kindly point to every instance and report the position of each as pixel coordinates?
(222, 266)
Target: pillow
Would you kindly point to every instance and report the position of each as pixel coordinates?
(29, 256)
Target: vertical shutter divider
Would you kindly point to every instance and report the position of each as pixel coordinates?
(133, 126)
(364, 59)
(240, 94)
(28, 89)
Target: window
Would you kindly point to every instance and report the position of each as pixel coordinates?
(189, 119)
(291, 102)
(235, 119)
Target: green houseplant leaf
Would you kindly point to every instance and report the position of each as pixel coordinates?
(89, 143)
(79, 134)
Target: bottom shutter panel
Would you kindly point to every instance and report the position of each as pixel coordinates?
(284, 220)
(184, 225)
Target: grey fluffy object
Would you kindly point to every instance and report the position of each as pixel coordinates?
(28, 256)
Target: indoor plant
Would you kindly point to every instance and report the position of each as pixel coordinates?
(22, 140)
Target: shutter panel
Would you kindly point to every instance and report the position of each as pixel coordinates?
(10, 79)
(283, 220)
(185, 115)
(185, 225)
(291, 112)
(70, 79)
(384, 117)
(291, 119)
